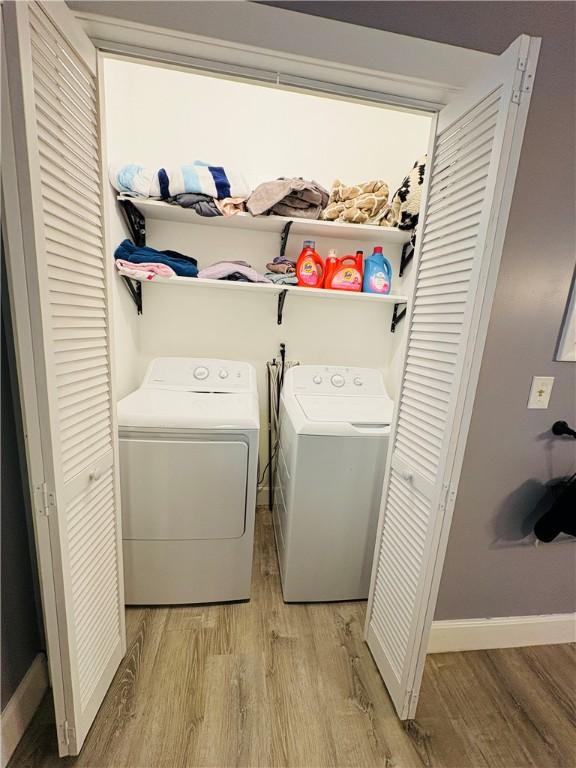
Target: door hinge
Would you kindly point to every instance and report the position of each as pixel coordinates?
(67, 733)
(45, 499)
(524, 85)
(411, 702)
(444, 496)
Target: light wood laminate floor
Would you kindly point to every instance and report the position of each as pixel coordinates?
(269, 684)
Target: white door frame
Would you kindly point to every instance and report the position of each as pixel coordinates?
(362, 79)
(243, 38)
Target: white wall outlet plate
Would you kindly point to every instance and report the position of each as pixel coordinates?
(540, 391)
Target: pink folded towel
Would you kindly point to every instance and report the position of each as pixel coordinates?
(143, 271)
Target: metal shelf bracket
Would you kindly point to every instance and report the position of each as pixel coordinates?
(135, 289)
(407, 254)
(136, 222)
(281, 300)
(397, 315)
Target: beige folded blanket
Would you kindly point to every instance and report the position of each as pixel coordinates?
(357, 204)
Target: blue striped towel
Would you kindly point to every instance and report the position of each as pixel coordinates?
(199, 177)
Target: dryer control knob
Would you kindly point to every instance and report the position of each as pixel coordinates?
(223, 373)
(201, 372)
(337, 380)
(317, 379)
(358, 381)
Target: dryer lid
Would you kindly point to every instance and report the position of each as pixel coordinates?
(176, 409)
(373, 411)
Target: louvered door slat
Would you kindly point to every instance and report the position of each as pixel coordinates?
(60, 102)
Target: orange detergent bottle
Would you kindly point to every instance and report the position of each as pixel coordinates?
(344, 274)
(310, 267)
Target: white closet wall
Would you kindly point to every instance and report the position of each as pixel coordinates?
(160, 117)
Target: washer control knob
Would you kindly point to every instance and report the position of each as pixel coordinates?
(317, 379)
(358, 381)
(223, 373)
(201, 373)
(337, 380)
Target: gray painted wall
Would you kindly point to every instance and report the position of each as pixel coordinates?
(21, 639)
(510, 454)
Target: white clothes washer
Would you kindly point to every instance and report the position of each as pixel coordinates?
(333, 438)
(188, 473)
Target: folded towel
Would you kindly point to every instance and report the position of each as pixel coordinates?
(184, 266)
(274, 277)
(357, 204)
(144, 270)
(288, 197)
(198, 177)
(281, 269)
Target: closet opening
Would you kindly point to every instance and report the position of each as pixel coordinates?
(341, 161)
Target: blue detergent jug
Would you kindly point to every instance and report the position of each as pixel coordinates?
(377, 273)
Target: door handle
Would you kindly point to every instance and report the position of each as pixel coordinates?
(94, 475)
(407, 476)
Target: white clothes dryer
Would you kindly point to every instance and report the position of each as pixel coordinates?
(188, 474)
(334, 427)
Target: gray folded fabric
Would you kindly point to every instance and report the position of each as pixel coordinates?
(288, 197)
(204, 205)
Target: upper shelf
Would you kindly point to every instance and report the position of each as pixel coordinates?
(156, 209)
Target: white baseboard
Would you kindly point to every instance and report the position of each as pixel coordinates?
(506, 632)
(20, 709)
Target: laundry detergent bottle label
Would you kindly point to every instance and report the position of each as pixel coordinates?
(310, 267)
(308, 273)
(347, 279)
(379, 282)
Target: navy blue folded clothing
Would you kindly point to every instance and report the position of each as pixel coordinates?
(184, 266)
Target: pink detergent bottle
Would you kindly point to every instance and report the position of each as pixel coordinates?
(310, 267)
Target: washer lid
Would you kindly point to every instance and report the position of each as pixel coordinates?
(177, 409)
(377, 410)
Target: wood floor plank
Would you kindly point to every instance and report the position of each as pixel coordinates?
(547, 728)
(120, 721)
(263, 684)
(234, 718)
(365, 729)
(477, 702)
(174, 705)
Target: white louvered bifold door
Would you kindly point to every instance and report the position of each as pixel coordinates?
(54, 105)
(469, 182)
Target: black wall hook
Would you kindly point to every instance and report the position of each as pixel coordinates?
(562, 428)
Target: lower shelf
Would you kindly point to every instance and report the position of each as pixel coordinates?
(394, 300)
(231, 285)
